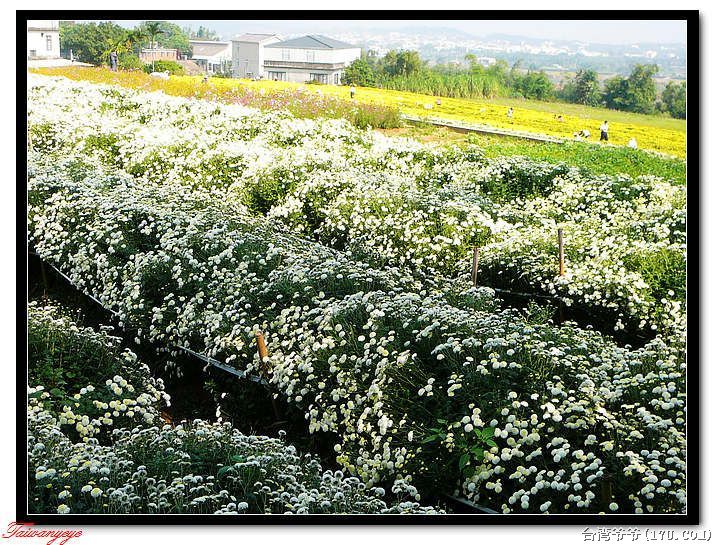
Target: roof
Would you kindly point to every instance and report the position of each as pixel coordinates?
(208, 49)
(313, 41)
(43, 25)
(255, 38)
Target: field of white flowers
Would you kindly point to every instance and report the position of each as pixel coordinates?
(200, 224)
(103, 449)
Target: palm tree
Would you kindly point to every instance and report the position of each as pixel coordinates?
(126, 45)
(136, 36)
(152, 29)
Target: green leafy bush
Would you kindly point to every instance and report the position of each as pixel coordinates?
(173, 67)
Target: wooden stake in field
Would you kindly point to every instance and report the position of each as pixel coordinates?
(562, 266)
(262, 351)
(475, 266)
(262, 354)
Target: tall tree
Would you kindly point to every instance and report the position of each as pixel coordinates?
(152, 29)
(615, 93)
(586, 88)
(675, 99)
(166, 34)
(91, 42)
(535, 85)
(136, 38)
(637, 93)
(408, 62)
(402, 63)
(641, 88)
(359, 72)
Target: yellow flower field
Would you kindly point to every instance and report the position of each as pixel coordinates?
(667, 136)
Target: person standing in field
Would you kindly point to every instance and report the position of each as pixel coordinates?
(113, 61)
(352, 92)
(604, 131)
(510, 113)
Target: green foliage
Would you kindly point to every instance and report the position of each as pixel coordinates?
(65, 358)
(594, 159)
(513, 178)
(173, 67)
(615, 93)
(637, 93)
(92, 42)
(674, 99)
(222, 75)
(663, 269)
(641, 87)
(64, 362)
(203, 33)
(448, 84)
(536, 85)
(567, 92)
(586, 88)
(375, 116)
(103, 144)
(400, 63)
(266, 191)
(469, 443)
(129, 61)
(168, 35)
(359, 72)
(404, 71)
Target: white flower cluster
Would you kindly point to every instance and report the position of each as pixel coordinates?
(195, 467)
(93, 411)
(557, 414)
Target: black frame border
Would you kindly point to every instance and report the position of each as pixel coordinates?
(693, 169)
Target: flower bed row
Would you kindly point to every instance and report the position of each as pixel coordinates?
(302, 100)
(96, 443)
(394, 202)
(517, 415)
(298, 100)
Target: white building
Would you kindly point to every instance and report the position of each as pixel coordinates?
(486, 62)
(309, 58)
(247, 54)
(212, 56)
(43, 39)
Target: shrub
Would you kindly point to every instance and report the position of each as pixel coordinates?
(173, 67)
(129, 61)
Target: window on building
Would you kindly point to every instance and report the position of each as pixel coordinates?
(285, 54)
(310, 56)
(336, 78)
(320, 78)
(277, 76)
(49, 42)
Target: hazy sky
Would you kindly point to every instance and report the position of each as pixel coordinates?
(605, 32)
